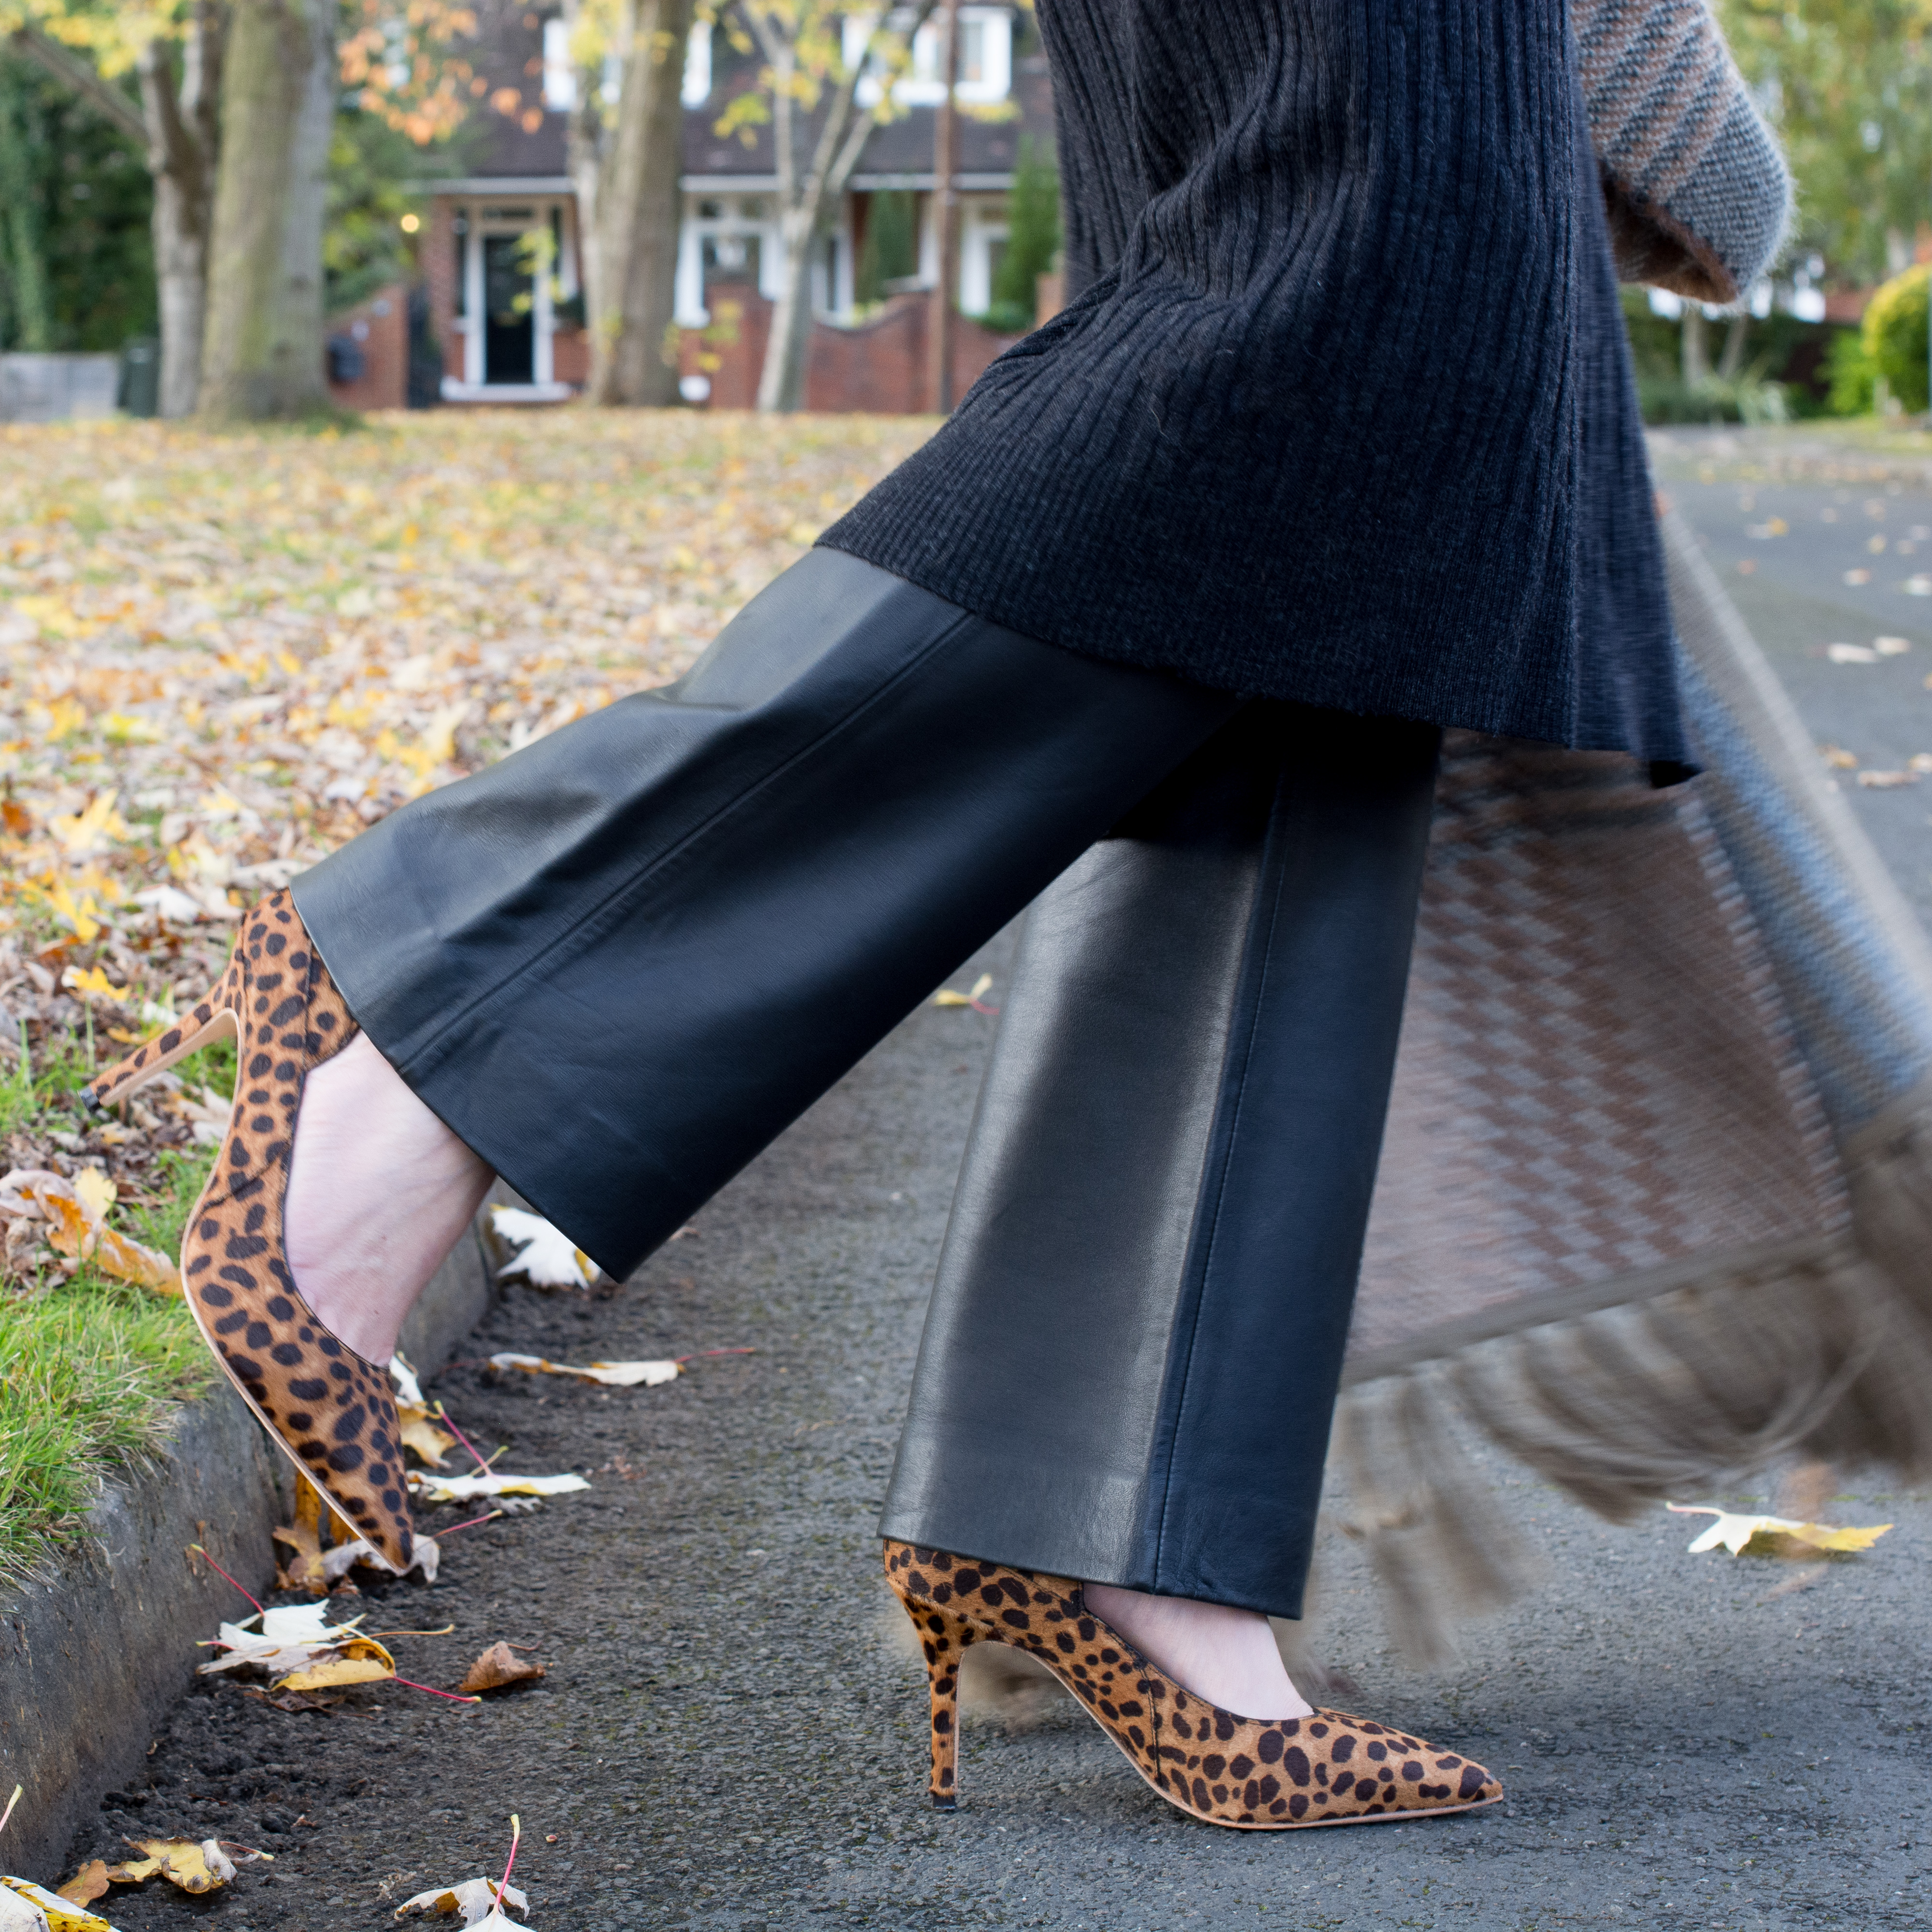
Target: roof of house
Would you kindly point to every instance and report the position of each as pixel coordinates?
(525, 142)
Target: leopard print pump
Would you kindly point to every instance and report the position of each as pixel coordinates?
(1256, 1775)
(330, 1412)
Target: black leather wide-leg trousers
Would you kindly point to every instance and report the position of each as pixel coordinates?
(1131, 1355)
(621, 961)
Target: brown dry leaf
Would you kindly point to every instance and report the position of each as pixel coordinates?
(497, 1668)
(294, 1700)
(361, 1660)
(87, 1884)
(299, 1565)
(77, 1209)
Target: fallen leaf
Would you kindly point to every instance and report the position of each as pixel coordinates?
(94, 981)
(291, 1636)
(614, 1375)
(194, 1868)
(1852, 654)
(1891, 647)
(87, 1884)
(547, 1256)
(982, 986)
(1734, 1531)
(461, 1489)
(419, 1433)
(25, 1904)
(76, 1211)
(475, 1901)
(294, 1700)
(498, 1667)
(301, 1568)
(424, 1555)
(361, 1659)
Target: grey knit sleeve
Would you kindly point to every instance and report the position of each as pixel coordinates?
(1698, 195)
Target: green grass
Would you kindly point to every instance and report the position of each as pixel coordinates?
(92, 1370)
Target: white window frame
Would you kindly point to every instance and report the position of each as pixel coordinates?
(924, 85)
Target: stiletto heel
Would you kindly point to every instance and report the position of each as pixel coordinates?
(1255, 1775)
(329, 1411)
(945, 1639)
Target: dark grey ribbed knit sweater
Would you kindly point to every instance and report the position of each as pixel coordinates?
(1345, 415)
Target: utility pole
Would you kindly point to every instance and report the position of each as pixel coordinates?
(945, 216)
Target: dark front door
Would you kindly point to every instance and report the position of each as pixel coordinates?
(509, 320)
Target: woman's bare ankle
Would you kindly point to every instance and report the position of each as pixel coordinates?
(379, 1191)
(1225, 1655)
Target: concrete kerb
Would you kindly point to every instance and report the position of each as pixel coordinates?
(92, 1658)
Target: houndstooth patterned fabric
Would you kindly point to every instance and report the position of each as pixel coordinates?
(1699, 197)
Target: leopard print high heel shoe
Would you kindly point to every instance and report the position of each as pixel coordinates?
(1278, 1775)
(330, 1412)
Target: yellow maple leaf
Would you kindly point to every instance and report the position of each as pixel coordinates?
(94, 980)
(79, 832)
(78, 914)
(419, 1433)
(361, 1659)
(194, 1868)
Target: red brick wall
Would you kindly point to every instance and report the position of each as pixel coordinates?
(570, 356)
(879, 367)
(380, 329)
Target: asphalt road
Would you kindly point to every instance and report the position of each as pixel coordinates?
(731, 1735)
(1823, 543)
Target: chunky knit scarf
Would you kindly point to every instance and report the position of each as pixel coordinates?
(1699, 196)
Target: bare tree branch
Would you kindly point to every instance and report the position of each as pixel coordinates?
(69, 68)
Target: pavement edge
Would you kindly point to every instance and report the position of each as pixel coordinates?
(93, 1658)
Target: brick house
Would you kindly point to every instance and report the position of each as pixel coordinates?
(510, 332)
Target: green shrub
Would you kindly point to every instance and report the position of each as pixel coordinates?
(1894, 336)
(1033, 235)
(1851, 373)
(1750, 399)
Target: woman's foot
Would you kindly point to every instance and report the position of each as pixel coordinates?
(379, 1190)
(1226, 1656)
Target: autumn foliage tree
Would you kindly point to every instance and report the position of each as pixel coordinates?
(232, 104)
(811, 93)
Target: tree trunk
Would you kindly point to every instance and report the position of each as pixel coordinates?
(638, 205)
(1697, 352)
(781, 381)
(181, 124)
(263, 348)
(174, 128)
(945, 216)
(1730, 364)
(585, 139)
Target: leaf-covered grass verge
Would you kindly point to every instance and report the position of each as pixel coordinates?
(92, 1370)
